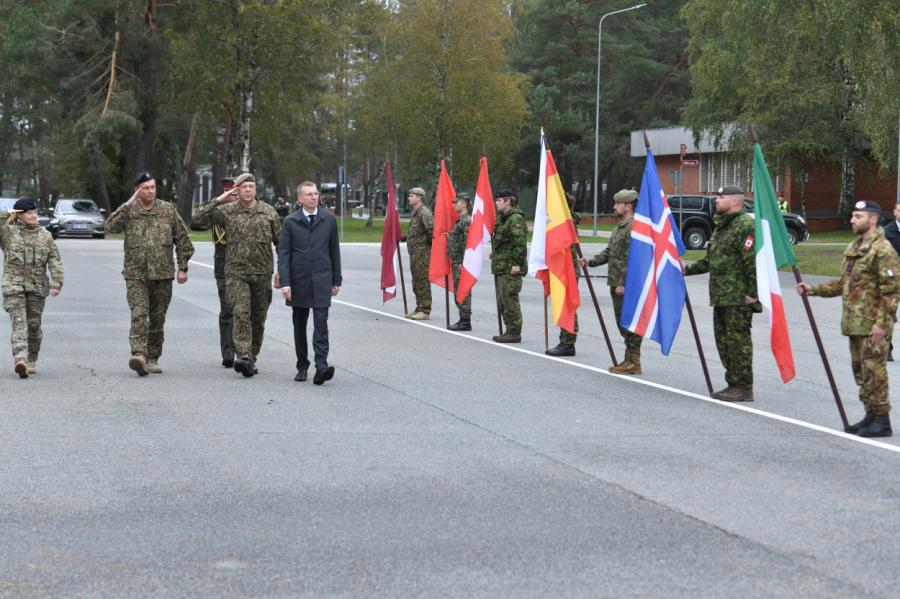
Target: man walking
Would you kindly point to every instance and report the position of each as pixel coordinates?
(456, 250)
(615, 255)
(418, 244)
(870, 288)
(309, 271)
(252, 228)
(152, 228)
(509, 261)
(731, 263)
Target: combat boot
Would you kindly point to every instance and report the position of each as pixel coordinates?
(244, 366)
(153, 367)
(626, 367)
(462, 324)
(866, 421)
(736, 394)
(718, 394)
(420, 316)
(563, 349)
(879, 427)
(31, 364)
(508, 337)
(22, 369)
(138, 364)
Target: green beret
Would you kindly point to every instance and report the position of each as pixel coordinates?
(418, 191)
(625, 196)
(243, 178)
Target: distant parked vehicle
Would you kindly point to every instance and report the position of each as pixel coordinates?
(45, 217)
(694, 217)
(80, 218)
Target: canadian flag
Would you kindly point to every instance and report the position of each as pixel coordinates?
(481, 228)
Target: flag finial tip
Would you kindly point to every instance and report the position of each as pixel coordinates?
(646, 141)
(753, 134)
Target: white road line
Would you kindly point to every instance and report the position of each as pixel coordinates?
(722, 404)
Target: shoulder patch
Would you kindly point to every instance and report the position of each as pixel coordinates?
(748, 243)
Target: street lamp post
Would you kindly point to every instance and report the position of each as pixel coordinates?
(596, 184)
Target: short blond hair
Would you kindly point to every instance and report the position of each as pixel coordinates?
(305, 184)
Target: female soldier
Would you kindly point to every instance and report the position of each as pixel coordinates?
(28, 251)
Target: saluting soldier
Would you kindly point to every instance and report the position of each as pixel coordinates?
(870, 289)
(615, 256)
(731, 263)
(456, 251)
(152, 228)
(418, 244)
(252, 230)
(566, 345)
(509, 261)
(28, 253)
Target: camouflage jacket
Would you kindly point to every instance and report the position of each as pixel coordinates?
(456, 244)
(510, 243)
(615, 255)
(216, 222)
(421, 229)
(869, 283)
(149, 237)
(250, 233)
(28, 252)
(730, 261)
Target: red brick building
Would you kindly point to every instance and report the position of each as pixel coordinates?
(813, 193)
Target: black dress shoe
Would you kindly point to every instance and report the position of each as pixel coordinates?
(323, 375)
(300, 376)
(228, 363)
(563, 349)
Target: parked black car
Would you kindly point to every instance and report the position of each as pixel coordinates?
(694, 217)
(45, 217)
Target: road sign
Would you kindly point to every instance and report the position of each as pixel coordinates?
(690, 163)
(683, 150)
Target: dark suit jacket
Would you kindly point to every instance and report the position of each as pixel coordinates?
(892, 234)
(309, 259)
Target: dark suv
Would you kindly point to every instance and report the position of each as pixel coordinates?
(694, 217)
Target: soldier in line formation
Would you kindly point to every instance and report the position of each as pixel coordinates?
(509, 262)
(456, 250)
(418, 244)
(29, 252)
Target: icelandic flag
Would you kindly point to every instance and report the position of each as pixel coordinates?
(654, 283)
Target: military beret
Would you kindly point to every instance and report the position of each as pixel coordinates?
(625, 196)
(417, 191)
(25, 205)
(867, 206)
(243, 178)
(142, 178)
(730, 190)
(461, 197)
(506, 192)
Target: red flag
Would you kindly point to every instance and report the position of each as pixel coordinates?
(484, 216)
(444, 218)
(389, 240)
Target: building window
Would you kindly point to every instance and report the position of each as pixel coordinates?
(719, 169)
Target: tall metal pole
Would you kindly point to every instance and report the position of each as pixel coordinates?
(596, 184)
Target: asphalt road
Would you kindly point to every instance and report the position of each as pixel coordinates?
(434, 464)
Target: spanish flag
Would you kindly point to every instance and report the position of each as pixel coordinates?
(554, 233)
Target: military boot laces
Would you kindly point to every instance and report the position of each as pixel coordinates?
(866, 421)
(879, 427)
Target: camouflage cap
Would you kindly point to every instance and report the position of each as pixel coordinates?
(730, 190)
(866, 206)
(417, 191)
(243, 178)
(625, 196)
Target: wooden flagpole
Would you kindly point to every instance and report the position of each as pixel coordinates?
(546, 329)
(497, 297)
(590, 285)
(402, 281)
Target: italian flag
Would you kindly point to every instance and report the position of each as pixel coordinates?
(773, 251)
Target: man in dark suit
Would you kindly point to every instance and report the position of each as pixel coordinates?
(892, 234)
(309, 268)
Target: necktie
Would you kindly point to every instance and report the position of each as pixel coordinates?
(311, 217)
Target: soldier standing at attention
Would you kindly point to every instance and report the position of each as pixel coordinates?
(566, 345)
(216, 222)
(28, 252)
(731, 263)
(509, 261)
(418, 244)
(615, 255)
(152, 227)
(456, 250)
(252, 229)
(869, 285)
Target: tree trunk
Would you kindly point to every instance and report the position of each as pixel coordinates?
(848, 186)
(187, 172)
(96, 163)
(246, 114)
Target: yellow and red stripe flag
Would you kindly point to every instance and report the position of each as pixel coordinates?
(554, 233)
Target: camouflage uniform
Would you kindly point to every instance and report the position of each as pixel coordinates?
(418, 244)
(565, 337)
(456, 250)
(509, 248)
(149, 268)
(216, 222)
(731, 263)
(615, 256)
(251, 234)
(28, 252)
(870, 287)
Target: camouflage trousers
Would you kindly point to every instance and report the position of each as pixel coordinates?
(419, 261)
(25, 310)
(869, 370)
(226, 322)
(149, 301)
(508, 289)
(732, 329)
(632, 341)
(250, 297)
(465, 308)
